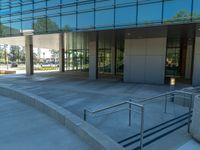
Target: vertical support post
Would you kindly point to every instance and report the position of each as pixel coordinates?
(142, 128)
(166, 103)
(189, 117)
(130, 114)
(113, 53)
(61, 53)
(29, 54)
(184, 103)
(85, 115)
(93, 55)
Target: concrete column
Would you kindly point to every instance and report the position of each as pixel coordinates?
(61, 53)
(196, 66)
(29, 54)
(93, 44)
(189, 55)
(113, 53)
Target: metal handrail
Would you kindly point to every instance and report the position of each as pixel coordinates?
(165, 94)
(130, 104)
(140, 105)
(105, 108)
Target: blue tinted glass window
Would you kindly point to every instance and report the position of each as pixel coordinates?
(39, 14)
(16, 10)
(52, 3)
(104, 18)
(125, 1)
(27, 16)
(16, 17)
(5, 29)
(125, 16)
(149, 13)
(5, 19)
(27, 25)
(40, 25)
(104, 4)
(69, 10)
(15, 28)
(177, 11)
(39, 5)
(68, 22)
(53, 12)
(53, 24)
(27, 7)
(196, 10)
(68, 1)
(5, 12)
(86, 7)
(86, 20)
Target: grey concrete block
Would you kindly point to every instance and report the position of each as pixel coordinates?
(195, 130)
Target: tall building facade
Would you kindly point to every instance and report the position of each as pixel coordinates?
(143, 41)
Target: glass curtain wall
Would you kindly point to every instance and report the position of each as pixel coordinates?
(173, 57)
(180, 51)
(119, 53)
(47, 16)
(104, 52)
(77, 52)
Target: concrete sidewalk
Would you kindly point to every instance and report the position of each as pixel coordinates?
(22, 127)
(75, 93)
(191, 145)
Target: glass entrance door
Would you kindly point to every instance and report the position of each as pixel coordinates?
(173, 58)
(77, 59)
(104, 60)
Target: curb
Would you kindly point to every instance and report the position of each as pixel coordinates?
(85, 131)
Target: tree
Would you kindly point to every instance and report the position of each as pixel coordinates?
(5, 46)
(22, 56)
(35, 58)
(2, 54)
(54, 54)
(66, 28)
(182, 16)
(5, 30)
(44, 24)
(14, 53)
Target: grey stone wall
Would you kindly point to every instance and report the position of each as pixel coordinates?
(144, 60)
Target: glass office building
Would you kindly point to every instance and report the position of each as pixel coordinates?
(139, 40)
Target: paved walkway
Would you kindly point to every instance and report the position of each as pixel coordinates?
(191, 145)
(24, 128)
(75, 93)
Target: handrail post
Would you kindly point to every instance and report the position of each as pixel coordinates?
(172, 97)
(166, 103)
(130, 114)
(142, 128)
(189, 117)
(85, 115)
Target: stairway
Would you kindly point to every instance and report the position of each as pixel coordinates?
(157, 132)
